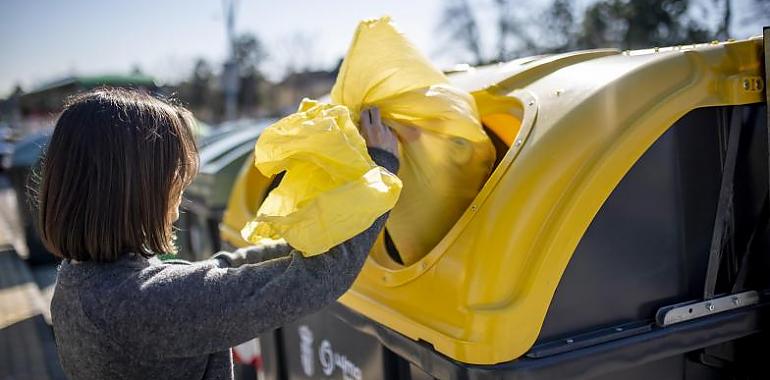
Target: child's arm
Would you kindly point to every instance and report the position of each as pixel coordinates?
(253, 254)
(190, 310)
(376, 135)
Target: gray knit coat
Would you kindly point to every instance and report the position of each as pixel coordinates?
(140, 318)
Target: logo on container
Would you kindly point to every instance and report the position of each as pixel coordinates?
(330, 360)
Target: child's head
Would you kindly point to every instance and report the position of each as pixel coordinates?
(113, 175)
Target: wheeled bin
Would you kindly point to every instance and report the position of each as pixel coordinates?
(206, 197)
(622, 234)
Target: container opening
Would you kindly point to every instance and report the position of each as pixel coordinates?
(502, 126)
(501, 118)
(501, 129)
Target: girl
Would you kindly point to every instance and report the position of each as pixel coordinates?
(112, 183)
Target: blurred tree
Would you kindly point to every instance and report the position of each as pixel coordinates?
(634, 24)
(624, 24)
(512, 32)
(17, 90)
(459, 21)
(249, 53)
(136, 69)
(199, 92)
(759, 15)
(559, 28)
(514, 35)
(200, 84)
(504, 26)
(521, 28)
(723, 29)
(10, 111)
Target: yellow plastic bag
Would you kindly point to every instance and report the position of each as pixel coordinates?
(327, 194)
(445, 154)
(332, 190)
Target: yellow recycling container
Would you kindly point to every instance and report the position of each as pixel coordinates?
(573, 125)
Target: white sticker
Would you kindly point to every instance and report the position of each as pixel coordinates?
(306, 350)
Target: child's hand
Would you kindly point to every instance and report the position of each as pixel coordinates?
(376, 134)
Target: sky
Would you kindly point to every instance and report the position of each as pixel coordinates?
(41, 41)
(45, 40)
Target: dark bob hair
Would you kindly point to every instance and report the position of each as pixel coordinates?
(117, 162)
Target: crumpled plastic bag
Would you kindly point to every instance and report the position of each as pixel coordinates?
(445, 154)
(332, 190)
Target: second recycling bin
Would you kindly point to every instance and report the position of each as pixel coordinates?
(221, 157)
(181, 226)
(25, 161)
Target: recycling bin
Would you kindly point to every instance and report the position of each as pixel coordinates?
(206, 197)
(182, 225)
(601, 323)
(623, 234)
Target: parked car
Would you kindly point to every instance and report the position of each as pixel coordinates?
(22, 170)
(6, 148)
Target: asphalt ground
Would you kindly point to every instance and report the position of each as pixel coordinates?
(27, 348)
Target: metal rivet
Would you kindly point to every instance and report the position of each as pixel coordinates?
(618, 329)
(531, 102)
(517, 143)
(746, 84)
(709, 307)
(473, 207)
(570, 340)
(736, 301)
